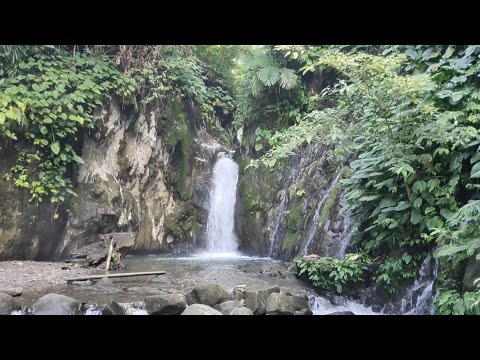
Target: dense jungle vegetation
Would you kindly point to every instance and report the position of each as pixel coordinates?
(405, 119)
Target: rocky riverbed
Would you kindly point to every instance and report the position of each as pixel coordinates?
(34, 276)
(242, 286)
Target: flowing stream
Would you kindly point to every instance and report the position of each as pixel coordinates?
(419, 296)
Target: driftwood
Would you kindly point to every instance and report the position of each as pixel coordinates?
(92, 277)
(97, 252)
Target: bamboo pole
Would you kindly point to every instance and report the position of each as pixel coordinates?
(92, 277)
(109, 256)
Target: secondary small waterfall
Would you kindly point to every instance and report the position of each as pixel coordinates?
(419, 296)
(220, 234)
(278, 220)
(316, 218)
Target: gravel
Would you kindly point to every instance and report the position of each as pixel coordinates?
(37, 275)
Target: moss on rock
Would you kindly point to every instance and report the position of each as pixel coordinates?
(181, 222)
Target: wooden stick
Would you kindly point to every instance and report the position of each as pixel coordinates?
(92, 277)
(109, 256)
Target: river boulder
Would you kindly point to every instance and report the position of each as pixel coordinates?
(241, 311)
(228, 306)
(113, 308)
(255, 299)
(283, 304)
(55, 304)
(200, 309)
(7, 304)
(208, 294)
(172, 304)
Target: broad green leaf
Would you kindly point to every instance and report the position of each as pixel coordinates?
(416, 217)
(55, 148)
(475, 158)
(475, 173)
(448, 250)
(387, 202)
(78, 159)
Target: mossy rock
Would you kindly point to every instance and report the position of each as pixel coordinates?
(182, 222)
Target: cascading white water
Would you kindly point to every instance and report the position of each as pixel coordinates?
(418, 299)
(316, 218)
(220, 236)
(322, 306)
(278, 222)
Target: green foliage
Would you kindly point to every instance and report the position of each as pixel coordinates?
(333, 274)
(269, 94)
(51, 96)
(451, 302)
(409, 115)
(166, 71)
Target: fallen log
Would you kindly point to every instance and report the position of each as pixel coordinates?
(92, 277)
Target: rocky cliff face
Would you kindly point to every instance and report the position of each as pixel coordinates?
(145, 171)
(27, 230)
(295, 210)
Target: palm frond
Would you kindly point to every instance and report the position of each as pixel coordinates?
(269, 75)
(288, 78)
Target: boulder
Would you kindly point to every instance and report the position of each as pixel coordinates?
(283, 304)
(228, 306)
(472, 272)
(200, 309)
(97, 252)
(113, 308)
(207, 294)
(256, 299)
(341, 313)
(54, 304)
(172, 304)
(305, 311)
(241, 311)
(8, 304)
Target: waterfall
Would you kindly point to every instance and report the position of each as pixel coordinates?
(316, 218)
(220, 234)
(418, 299)
(278, 221)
